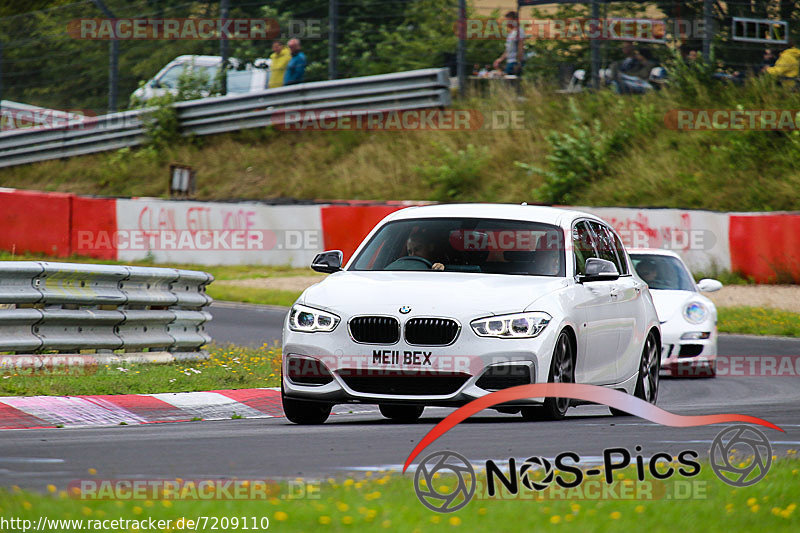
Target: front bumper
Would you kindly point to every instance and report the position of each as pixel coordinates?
(453, 375)
(688, 357)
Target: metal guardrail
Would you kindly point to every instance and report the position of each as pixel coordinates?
(416, 89)
(67, 308)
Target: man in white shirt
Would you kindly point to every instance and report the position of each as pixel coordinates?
(514, 51)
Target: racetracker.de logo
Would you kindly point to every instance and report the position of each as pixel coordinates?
(105, 29)
(733, 119)
(583, 29)
(392, 120)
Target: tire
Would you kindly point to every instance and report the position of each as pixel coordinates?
(648, 377)
(305, 412)
(562, 370)
(401, 413)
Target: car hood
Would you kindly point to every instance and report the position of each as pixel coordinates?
(670, 304)
(428, 293)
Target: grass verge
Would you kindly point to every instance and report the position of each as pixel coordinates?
(660, 166)
(387, 501)
(758, 321)
(252, 295)
(229, 367)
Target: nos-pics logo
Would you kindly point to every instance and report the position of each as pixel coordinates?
(438, 496)
(449, 494)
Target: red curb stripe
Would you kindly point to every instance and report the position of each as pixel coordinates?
(12, 418)
(266, 401)
(150, 408)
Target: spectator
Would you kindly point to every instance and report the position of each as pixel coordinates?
(769, 58)
(514, 52)
(631, 76)
(787, 67)
(296, 68)
(643, 63)
(624, 65)
(279, 59)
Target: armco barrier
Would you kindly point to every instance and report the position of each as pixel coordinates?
(68, 308)
(416, 89)
(761, 245)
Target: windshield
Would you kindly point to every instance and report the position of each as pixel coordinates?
(466, 245)
(663, 272)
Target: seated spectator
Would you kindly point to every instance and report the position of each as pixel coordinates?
(643, 63)
(623, 65)
(631, 77)
(787, 67)
(769, 58)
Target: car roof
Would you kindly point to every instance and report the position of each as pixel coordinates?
(653, 251)
(532, 213)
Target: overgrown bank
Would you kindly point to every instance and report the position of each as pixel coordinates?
(591, 149)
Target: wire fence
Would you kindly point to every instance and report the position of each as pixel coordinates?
(44, 63)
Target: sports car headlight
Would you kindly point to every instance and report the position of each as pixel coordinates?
(695, 312)
(516, 326)
(309, 320)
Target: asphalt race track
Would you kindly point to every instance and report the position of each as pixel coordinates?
(273, 448)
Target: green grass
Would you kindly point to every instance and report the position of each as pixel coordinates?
(758, 321)
(229, 367)
(387, 502)
(252, 295)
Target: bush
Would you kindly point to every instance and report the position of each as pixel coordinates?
(456, 177)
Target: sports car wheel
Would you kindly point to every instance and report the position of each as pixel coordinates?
(305, 412)
(562, 370)
(647, 379)
(401, 413)
(649, 368)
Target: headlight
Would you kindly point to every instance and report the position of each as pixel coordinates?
(695, 312)
(516, 326)
(309, 320)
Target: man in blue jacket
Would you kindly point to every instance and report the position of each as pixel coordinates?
(297, 65)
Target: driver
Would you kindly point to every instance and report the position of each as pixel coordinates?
(647, 270)
(419, 244)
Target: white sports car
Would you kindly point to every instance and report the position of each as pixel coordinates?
(688, 319)
(443, 304)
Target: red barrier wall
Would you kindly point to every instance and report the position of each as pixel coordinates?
(93, 227)
(345, 226)
(35, 222)
(766, 247)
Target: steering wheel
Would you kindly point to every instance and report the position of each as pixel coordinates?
(408, 262)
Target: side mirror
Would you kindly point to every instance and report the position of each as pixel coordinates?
(328, 262)
(709, 285)
(155, 84)
(599, 270)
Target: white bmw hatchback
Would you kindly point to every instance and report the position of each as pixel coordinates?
(688, 319)
(443, 304)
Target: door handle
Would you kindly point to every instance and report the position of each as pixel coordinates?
(614, 293)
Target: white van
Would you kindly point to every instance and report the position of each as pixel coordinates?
(252, 78)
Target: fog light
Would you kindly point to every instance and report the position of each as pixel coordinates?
(696, 335)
